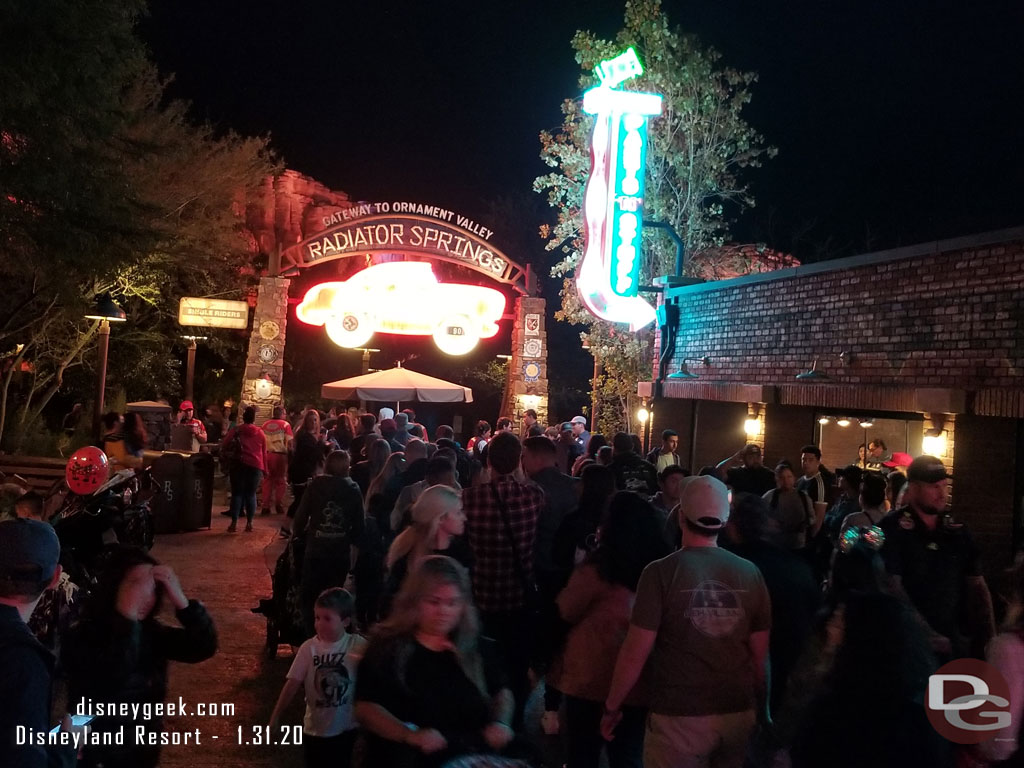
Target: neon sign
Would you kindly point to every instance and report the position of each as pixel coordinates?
(608, 278)
(404, 298)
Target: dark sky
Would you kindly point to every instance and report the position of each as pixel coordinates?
(897, 121)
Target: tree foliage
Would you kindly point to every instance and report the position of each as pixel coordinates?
(699, 147)
(105, 186)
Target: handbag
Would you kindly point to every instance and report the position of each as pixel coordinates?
(531, 594)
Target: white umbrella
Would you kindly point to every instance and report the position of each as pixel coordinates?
(397, 384)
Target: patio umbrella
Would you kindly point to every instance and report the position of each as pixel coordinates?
(397, 384)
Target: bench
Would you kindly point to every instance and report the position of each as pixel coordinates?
(39, 473)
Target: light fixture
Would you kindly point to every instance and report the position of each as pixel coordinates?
(642, 414)
(106, 309)
(823, 420)
(934, 443)
(264, 387)
(813, 374)
(683, 373)
(752, 427)
(843, 421)
(867, 423)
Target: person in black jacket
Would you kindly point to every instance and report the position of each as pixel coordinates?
(29, 551)
(118, 653)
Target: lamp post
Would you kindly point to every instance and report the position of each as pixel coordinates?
(366, 369)
(107, 312)
(190, 365)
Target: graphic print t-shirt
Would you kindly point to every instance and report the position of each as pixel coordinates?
(704, 603)
(328, 671)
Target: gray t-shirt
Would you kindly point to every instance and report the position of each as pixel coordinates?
(704, 603)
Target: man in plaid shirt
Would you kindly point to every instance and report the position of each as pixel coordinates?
(498, 588)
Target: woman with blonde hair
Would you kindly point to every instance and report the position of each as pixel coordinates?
(377, 452)
(427, 691)
(438, 524)
(307, 458)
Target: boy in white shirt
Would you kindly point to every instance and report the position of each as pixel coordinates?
(326, 666)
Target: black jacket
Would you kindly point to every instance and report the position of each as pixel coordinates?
(126, 661)
(26, 670)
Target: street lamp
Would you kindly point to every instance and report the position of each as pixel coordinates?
(107, 312)
(190, 364)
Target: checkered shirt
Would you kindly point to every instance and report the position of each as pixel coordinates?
(497, 587)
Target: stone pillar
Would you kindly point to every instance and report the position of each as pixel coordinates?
(261, 384)
(527, 383)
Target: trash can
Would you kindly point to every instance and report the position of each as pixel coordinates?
(170, 498)
(198, 508)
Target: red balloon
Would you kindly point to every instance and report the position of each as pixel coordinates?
(86, 470)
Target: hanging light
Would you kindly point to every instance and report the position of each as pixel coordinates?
(867, 423)
(823, 420)
(843, 421)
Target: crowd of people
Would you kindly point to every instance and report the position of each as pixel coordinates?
(736, 615)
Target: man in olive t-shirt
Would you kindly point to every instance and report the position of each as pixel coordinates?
(703, 616)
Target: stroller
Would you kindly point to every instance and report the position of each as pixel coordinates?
(283, 609)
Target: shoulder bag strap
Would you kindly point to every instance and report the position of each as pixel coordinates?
(526, 583)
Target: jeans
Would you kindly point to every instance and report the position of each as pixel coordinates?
(584, 740)
(244, 482)
(329, 751)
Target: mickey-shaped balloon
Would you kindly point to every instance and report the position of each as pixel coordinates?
(86, 470)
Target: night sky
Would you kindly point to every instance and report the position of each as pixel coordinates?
(897, 121)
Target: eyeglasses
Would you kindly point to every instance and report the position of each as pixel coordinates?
(871, 535)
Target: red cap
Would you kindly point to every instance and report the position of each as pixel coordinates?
(186, 405)
(899, 460)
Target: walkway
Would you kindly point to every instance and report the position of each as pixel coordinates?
(227, 572)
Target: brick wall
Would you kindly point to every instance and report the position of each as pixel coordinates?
(901, 318)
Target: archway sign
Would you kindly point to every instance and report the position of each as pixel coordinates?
(414, 229)
(454, 314)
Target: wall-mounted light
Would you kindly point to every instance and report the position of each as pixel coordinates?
(843, 421)
(813, 374)
(685, 373)
(934, 442)
(752, 424)
(642, 414)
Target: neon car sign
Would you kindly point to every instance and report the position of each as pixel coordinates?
(403, 297)
(608, 278)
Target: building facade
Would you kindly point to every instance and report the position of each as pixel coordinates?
(922, 347)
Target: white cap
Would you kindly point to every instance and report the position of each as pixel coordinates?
(578, 420)
(386, 413)
(705, 502)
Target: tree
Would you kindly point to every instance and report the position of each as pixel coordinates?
(105, 186)
(699, 147)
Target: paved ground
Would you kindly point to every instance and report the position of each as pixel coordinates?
(228, 573)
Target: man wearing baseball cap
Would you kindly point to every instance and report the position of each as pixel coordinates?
(186, 416)
(934, 564)
(29, 552)
(703, 616)
(752, 476)
(579, 431)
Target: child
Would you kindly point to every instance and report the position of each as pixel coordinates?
(326, 664)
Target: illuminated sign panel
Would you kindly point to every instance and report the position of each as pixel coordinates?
(609, 273)
(403, 298)
(213, 313)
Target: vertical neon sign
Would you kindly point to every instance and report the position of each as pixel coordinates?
(608, 278)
